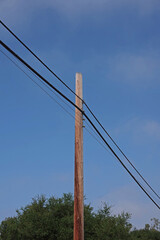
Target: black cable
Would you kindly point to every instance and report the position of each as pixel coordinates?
(40, 76)
(120, 160)
(71, 115)
(122, 152)
(39, 59)
(42, 87)
(89, 120)
(92, 134)
(83, 103)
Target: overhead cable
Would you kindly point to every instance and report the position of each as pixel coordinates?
(38, 58)
(8, 29)
(40, 76)
(71, 115)
(84, 114)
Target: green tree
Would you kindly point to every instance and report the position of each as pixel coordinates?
(148, 233)
(43, 219)
(143, 234)
(111, 227)
(52, 219)
(147, 227)
(156, 224)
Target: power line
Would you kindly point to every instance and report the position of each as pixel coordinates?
(42, 87)
(39, 59)
(40, 76)
(120, 160)
(39, 85)
(123, 154)
(84, 114)
(71, 115)
(93, 136)
(83, 103)
(86, 129)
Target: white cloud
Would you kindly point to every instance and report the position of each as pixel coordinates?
(131, 200)
(141, 69)
(14, 10)
(79, 7)
(152, 128)
(140, 130)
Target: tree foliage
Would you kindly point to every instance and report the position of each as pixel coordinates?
(52, 219)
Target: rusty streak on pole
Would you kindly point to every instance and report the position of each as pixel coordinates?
(78, 174)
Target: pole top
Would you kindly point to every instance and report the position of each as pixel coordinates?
(79, 84)
(78, 74)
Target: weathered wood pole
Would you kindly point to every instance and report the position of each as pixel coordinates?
(78, 174)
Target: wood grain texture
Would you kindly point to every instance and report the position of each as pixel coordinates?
(78, 177)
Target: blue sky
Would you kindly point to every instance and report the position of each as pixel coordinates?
(115, 44)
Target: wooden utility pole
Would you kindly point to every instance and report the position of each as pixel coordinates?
(78, 174)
